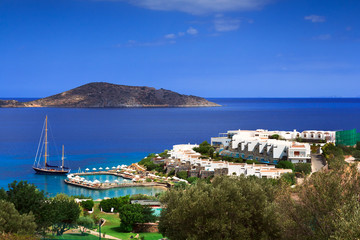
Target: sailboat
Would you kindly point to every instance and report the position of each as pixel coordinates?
(46, 168)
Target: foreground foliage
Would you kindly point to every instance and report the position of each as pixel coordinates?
(226, 209)
(11, 221)
(326, 206)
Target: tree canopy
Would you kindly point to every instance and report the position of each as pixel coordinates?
(65, 212)
(240, 208)
(11, 221)
(134, 213)
(286, 165)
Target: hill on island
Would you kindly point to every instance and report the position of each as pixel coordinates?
(107, 95)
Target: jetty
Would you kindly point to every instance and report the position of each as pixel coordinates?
(78, 181)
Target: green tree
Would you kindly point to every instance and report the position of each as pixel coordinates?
(27, 198)
(85, 223)
(3, 195)
(11, 221)
(286, 165)
(115, 203)
(289, 178)
(87, 205)
(182, 174)
(192, 179)
(142, 197)
(326, 206)
(227, 208)
(304, 168)
(65, 212)
(205, 148)
(129, 215)
(334, 155)
(274, 136)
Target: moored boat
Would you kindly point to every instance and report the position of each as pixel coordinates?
(46, 168)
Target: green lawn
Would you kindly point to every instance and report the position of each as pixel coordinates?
(72, 236)
(112, 227)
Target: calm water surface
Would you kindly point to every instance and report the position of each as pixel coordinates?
(111, 137)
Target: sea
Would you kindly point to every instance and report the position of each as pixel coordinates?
(99, 137)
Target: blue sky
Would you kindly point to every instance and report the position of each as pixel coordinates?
(210, 48)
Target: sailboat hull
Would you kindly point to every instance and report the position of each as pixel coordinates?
(50, 171)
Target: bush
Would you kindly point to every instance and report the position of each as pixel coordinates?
(87, 205)
(142, 197)
(115, 203)
(182, 174)
(192, 179)
(304, 168)
(130, 214)
(274, 136)
(289, 178)
(285, 165)
(148, 180)
(205, 148)
(85, 223)
(252, 161)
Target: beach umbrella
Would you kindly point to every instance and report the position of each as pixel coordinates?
(94, 169)
(117, 181)
(107, 181)
(100, 168)
(125, 180)
(118, 167)
(113, 167)
(107, 168)
(87, 169)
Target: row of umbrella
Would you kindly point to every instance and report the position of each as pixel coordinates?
(107, 168)
(83, 180)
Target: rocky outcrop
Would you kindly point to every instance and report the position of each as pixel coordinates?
(106, 95)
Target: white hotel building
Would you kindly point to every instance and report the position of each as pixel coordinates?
(257, 145)
(184, 154)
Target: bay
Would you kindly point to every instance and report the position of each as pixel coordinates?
(111, 137)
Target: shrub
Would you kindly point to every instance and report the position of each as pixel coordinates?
(134, 213)
(192, 179)
(289, 178)
(88, 205)
(115, 203)
(285, 165)
(182, 174)
(85, 223)
(304, 168)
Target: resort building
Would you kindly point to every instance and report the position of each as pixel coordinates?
(184, 158)
(224, 139)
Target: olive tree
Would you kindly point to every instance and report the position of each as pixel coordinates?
(228, 208)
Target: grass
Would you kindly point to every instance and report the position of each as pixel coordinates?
(74, 236)
(112, 226)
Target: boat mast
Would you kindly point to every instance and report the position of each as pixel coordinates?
(46, 140)
(62, 158)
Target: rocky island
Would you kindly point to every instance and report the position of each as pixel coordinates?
(107, 95)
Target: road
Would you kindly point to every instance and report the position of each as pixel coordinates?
(316, 162)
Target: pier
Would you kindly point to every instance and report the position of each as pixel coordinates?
(97, 185)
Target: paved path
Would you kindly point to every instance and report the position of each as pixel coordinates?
(102, 236)
(317, 162)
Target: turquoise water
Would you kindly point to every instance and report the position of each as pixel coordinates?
(111, 137)
(157, 211)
